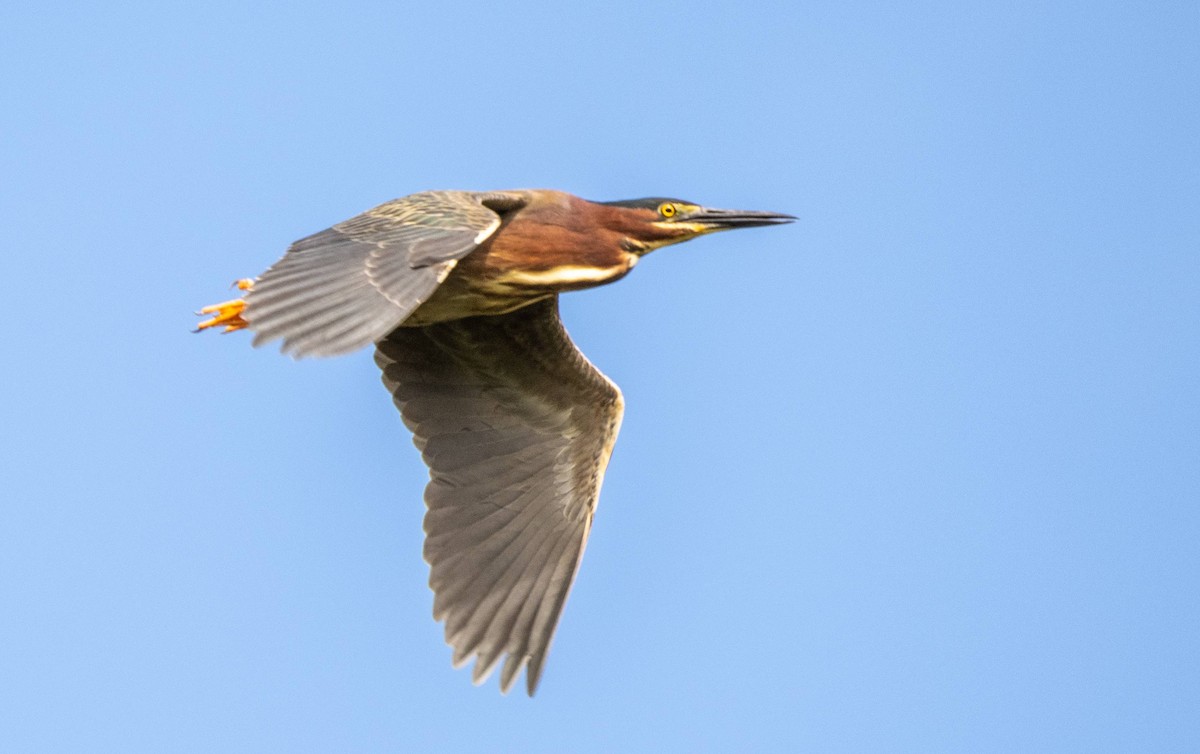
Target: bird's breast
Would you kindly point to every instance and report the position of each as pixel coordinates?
(510, 272)
(536, 259)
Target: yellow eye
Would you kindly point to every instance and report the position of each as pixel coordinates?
(667, 210)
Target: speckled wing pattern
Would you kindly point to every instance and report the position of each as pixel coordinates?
(517, 427)
(349, 285)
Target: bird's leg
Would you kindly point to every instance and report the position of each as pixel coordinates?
(228, 314)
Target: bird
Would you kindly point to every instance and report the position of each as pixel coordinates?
(458, 293)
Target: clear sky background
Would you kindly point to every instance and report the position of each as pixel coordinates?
(920, 472)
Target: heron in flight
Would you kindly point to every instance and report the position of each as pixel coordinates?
(458, 292)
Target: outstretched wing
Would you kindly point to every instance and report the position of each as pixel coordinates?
(350, 285)
(517, 427)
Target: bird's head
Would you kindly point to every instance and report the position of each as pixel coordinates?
(655, 221)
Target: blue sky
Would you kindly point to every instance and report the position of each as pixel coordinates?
(917, 473)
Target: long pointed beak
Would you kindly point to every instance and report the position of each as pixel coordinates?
(725, 219)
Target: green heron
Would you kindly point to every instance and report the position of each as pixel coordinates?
(458, 291)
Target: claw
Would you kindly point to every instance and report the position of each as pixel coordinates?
(228, 313)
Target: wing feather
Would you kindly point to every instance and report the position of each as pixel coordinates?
(349, 285)
(517, 428)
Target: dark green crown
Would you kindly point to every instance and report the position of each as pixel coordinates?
(649, 202)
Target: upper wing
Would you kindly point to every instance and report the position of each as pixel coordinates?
(517, 427)
(349, 285)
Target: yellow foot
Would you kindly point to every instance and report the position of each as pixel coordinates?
(228, 313)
